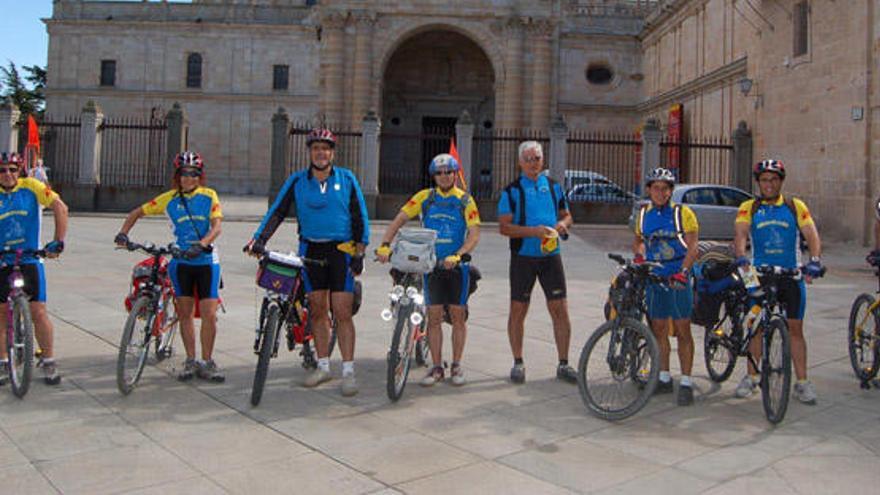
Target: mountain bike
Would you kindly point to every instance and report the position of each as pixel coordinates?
(284, 307)
(410, 338)
(19, 342)
(152, 315)
(732, 336)
(619, 365)
(863, 338)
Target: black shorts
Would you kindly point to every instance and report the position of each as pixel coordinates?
(335, 275)
(34, 282)
(448, 287)
(548, 270)
(189, 280)
(793, 297)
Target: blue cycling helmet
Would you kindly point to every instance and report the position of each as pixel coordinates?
(443, 161)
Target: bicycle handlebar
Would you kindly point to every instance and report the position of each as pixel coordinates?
(305, 261)
(36, 253)
(779, 271)
(152, 249)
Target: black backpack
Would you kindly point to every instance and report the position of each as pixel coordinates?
(520, 219)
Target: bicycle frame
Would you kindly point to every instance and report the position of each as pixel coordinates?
(870, 313)
(16, 282)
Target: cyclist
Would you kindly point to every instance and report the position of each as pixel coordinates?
(775, 225)
(533, 213)
(22, 200)
(195, 215)
(333, 226)
(453, 214)
(667, 233)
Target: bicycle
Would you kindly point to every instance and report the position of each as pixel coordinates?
(631, 354)
(152, 315)
(410, 338)
(19, 341)
(284, 305)
(863, 338)
(732, 336)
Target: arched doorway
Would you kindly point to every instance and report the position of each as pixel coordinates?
(429, 80)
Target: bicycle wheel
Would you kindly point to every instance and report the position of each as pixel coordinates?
(718, 352)
(776, 370)
(135, 344)
(618, 369)
(400, 354)
(267, 345)
(20, 348)
(863, 337)
(164, 342)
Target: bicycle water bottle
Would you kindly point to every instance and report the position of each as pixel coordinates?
(752, 319)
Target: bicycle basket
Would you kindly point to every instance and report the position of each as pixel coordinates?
(278, 273)
(413, 251)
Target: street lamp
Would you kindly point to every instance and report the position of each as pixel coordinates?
(745, 87)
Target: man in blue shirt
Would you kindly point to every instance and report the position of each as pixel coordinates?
(533, 213)
(21, 209)
(333, 226)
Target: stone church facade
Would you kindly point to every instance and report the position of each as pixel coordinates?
(515, 64)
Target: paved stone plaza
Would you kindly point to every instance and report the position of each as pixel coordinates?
(489, 436)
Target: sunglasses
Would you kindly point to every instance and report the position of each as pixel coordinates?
(11, 170)
(190, 173)
(533, 159)
(444, 172)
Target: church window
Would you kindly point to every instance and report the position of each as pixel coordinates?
(599, 74)
(194, 70)
(108, 73)
(801, 18)
(280, 77)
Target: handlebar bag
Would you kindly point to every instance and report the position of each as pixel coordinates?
(278, 273)
(413, 250)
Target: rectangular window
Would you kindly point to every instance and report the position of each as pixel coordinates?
(280, 76)
(801, 20)
(108, 73)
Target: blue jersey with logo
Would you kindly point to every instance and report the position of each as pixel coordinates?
(188, 228)
(21, 213)
(332, 210)
(775, 230)
(664, 242)
(450, 214)
(540, 210)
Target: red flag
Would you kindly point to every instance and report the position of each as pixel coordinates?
(454, 152)
(33, 134)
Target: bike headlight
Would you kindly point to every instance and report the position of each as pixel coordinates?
(418, 299)
(416, 318)
(411, 292)
(396, 293)
(386, 314)
(18, 283)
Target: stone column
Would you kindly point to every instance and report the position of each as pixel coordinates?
(558, 149)
(280, 152)
(740, 171)
(651, 136)
(363, 63)
(513, 92)
(90, 144)
(175, 119)
(464, 139)
(370, 160)
(9, 115)
(332, 71)
(541, 42)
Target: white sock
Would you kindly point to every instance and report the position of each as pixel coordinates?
(685, 381)
(324, 364)
(347, 368)
(665, 376)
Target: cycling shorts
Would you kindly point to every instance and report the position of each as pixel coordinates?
(663, 302)
(189, 280)
(34, 282)
(448, 287)
(793, 297)
(335, 276)
(548, 270)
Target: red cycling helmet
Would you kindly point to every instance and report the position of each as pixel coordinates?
(10, 158)
(323, 135)
(774, 166)
(188, 159)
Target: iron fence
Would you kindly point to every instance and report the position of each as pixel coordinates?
(405, 156)
(348, 148)
(133, 152)
(59, 146)
(698, 160)
(602, 167)
(495, 162)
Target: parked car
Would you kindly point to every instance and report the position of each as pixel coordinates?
(574, 178)
(715, 207)
(600, 193)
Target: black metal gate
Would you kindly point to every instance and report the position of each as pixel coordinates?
(404, 157)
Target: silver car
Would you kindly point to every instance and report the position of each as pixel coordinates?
(715, 207)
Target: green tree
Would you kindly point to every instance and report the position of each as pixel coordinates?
(30, 100)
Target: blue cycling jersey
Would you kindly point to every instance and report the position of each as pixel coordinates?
(332, 210)
(540, 209)
(21, 211)
(188, 226)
